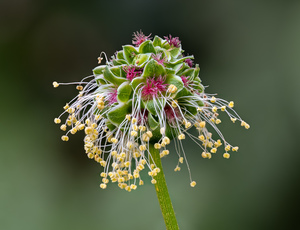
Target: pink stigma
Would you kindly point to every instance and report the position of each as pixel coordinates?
(139, 38)
(132, 72)
(189, 62)
(153, 87)
(173, 41)
(185, 81)
(172, 114)
(157, 57)
(112, 97)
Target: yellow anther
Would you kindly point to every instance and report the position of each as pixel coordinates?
(66, 106)
(181, 136)
(123, 155)
(128, 117)
(141, 182)
(130, 145)
(152, 166)
(136, 154)
(166, 152)
(133, 133)
(212, 120)
(134, 120)
(114, 140)
(136, 175)
(57, 120)
(214, 109)
(143, 161)
(88, 130)
(87, 121)
(80, 127)
(166, 140)
(142, 147)
(103, 174)
(98, 117)
(153, 181)
(142, 128)
(157, 146)
(161, 154)
(90, 155)
(177, 168)
(105, 180)
(218, 121)
(199, 109)
(174, 103)
(236, 148)
(213, 150)
(204, 155)
(226, 155)
(70, 110)
(247, 126)
(94, 125)
(79, 87)
(55, 84)
(103, 186)
(135, 127)
(193, 183)
(187, 124)
(149, 134)
(103, 163)
(213, 99)
(73, 131)
(223, 108)
(157, 170)
(150, 173)
(114, 153)
(172, 88)
(227, 148)
(63, 127)
(162, 130)
(231, 104)
(201, 137)
(202, 124)
(65, 138)
(233, 119)
(208, 155)
(181, 160)
(133, 186)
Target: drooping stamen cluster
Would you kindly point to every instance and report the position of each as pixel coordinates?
(173, 41)
(140, 99)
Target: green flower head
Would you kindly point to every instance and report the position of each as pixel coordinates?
(149, 93)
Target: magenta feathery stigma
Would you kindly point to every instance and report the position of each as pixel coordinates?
(146, 94)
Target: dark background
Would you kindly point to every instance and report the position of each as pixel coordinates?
(248, 51)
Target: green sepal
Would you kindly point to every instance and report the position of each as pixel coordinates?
(137, 81)
(99, 69)
(109, 76)
(197, 85)
(183, 93)
(129, 53)
(157, 41)
(147, 47)
(109, 125)
(153, 69)
(100, 80)
(120, 55)
(175, 52)
(183, 68)
(141, 59)
(119, 62)
(124, 92)
(118, 113)
(152, 122)
(177, 61)
(115, 71)
(155, 107)
(196, 72)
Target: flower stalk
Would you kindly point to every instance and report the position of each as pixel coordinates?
(162, 193)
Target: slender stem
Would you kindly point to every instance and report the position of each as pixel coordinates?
(163, 194)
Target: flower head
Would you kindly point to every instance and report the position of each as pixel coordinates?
(133, 101)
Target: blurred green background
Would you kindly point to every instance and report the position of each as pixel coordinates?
(248, 51)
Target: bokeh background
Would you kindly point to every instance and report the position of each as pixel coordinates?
(248, 51)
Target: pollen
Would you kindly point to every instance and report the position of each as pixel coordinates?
(149, 134)
(223, 108)
(214, 109)
(226, 155)
(233, 119)
(157, 146)
(231, 104)
(57, 120)
(213, 150)
(103, 186)
(55, 84)
(133, 133)
(166, 140)
(79, 87)
(235, 149)
(128, 117)
(202, 124)
(181, 136)
(142, 128)
(114, 140)
(177, 169)
(174, 103)
(193, 183)
(172, 88)
(65, 138)
(153, 181)
(134, 120)
(63, 127)
(181, 160)
(213, 100)
(142, 147)
(73, 131)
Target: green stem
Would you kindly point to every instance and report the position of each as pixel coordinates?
(163, 194)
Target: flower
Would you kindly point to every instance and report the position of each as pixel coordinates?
(135, 100)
